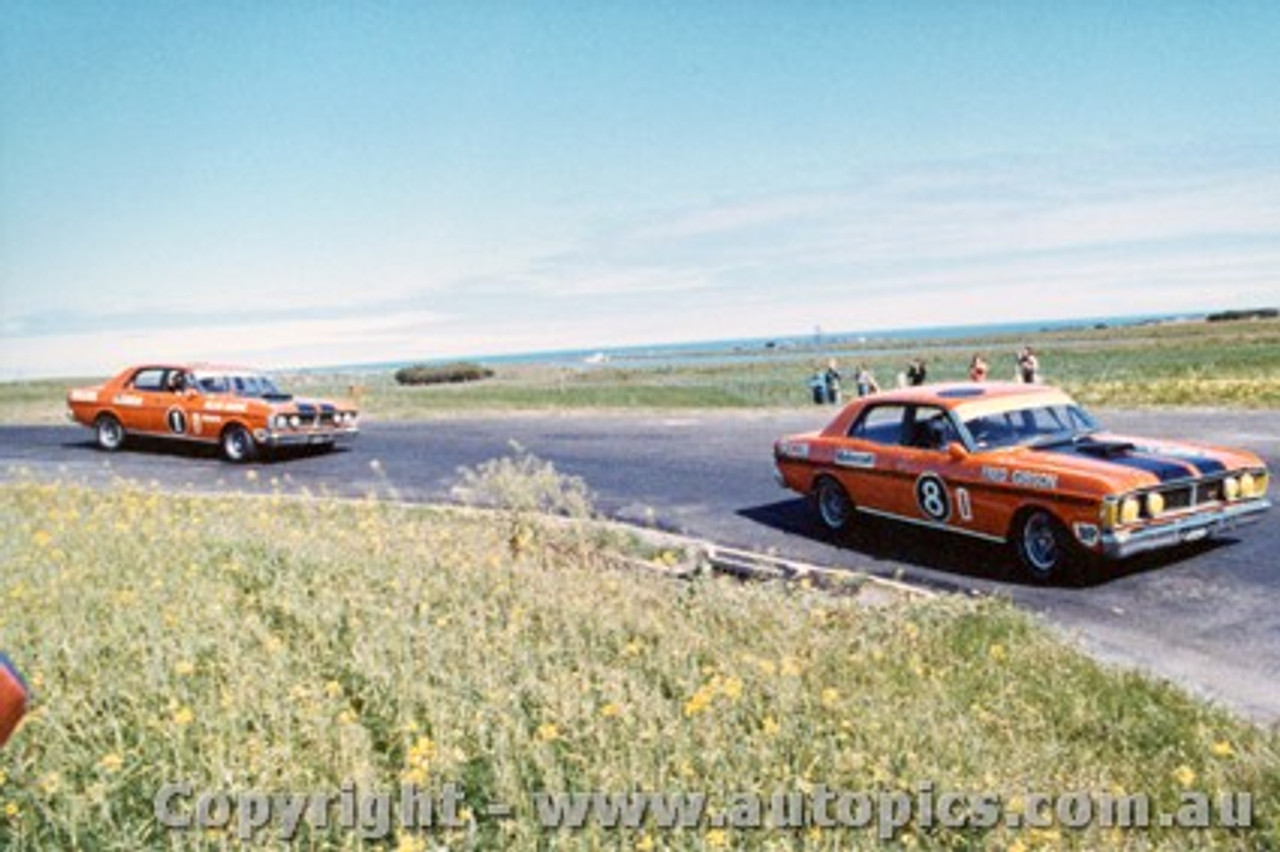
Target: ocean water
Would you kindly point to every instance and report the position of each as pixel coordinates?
(750, 349)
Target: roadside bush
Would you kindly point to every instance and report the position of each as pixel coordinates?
(442, 374)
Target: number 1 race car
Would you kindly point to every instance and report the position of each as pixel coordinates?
(241, 411)
(1018, 464)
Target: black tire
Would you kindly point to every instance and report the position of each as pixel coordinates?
(238, 445)
(108, 432)
(835, 509)
(1044, 548)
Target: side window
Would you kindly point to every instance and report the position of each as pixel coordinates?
(931, 429)
(148, 380)
(881, 425)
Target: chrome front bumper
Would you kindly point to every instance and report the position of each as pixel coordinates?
(1124, 543)
(304, 437)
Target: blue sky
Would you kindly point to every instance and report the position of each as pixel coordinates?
(325, 182)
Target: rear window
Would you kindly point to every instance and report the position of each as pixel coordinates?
(148, 380)
(880, 425)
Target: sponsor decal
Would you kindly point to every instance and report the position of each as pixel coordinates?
(963, 504)
(236, 407)
(197, 423)
(932, 497)
(84, 396)
(177, 420)
(1035, 479)
(794, 449)
(995, 474)
(128, 400)
(854, 458)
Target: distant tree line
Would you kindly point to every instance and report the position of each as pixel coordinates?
(442, 374)
(1228, 316)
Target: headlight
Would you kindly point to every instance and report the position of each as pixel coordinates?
(279, 421)
(1231, 488)
(295, 421)
(1155, 505)
(1248, 485)
(1130, 510)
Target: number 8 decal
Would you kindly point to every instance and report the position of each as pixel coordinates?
(931, 497)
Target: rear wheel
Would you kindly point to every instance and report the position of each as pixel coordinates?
(1044, 547)
(835, 509)
(108, 432)
(237, 444)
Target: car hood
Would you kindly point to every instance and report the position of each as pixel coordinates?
(1137, 462)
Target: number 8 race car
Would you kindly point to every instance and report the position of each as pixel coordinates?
(1018, 464)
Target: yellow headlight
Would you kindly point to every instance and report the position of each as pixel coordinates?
(1247, 486)
(1130, 509)
(1155, 504)
(1231, 488)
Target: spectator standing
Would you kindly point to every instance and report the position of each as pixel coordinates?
(916, 372)
(832, 380)
(978, 369)
(866, 381)
(1028, 366)
(818, 386)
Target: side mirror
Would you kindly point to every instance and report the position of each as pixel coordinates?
(956, 451)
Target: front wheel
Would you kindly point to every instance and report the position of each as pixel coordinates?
(109, 433)
(237, 444)
(835, 509)
(1043, 545)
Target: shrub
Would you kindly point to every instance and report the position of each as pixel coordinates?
(442, 374)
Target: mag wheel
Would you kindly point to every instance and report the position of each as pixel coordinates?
(1043, 547)
(835, 509)
(237, 444)
(109, 433)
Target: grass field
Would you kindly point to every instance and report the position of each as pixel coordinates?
(264, 644)
(1234, 364)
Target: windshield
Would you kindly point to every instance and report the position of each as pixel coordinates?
(241, 385)
(1039, 426)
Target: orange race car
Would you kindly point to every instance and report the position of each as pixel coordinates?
(1022, 464)
(240, 410)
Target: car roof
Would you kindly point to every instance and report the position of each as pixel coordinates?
(972, 396)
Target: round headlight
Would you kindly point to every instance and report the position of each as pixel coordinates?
(295, 421)
(1231, 488)
(279, 421)
(1155, 505)
(1249, 486)
(1130, 509)
(340, 417)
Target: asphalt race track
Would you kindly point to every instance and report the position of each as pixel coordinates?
(1203, 615)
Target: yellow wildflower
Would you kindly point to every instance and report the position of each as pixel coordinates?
(1222, 748)
(997, 653)
(547, 732)
(771, 726)
(11, 810)
(1184, 775)
(183, 716)
(111, 762)
(732, 688)
(644, 844)
(610, 710)
(717, 838)
(830, 697)
(183, 668)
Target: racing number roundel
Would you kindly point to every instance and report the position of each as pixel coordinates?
(177, 421)
(932, 498)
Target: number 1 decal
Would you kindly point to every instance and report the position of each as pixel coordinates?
(931, 497)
